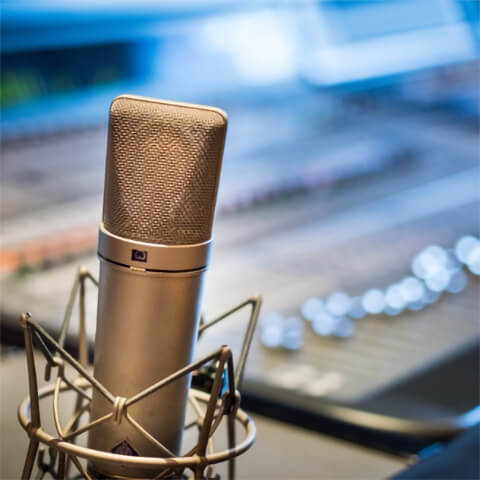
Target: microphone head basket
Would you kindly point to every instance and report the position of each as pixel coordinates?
(219, 405)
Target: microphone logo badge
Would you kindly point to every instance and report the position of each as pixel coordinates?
(139, 255)
(124, 448)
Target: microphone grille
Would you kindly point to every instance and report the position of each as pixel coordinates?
(162, 171)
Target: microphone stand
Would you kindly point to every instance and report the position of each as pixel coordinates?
(219, 404)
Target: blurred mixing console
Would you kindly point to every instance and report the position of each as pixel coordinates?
(291, 225)
(355, 214)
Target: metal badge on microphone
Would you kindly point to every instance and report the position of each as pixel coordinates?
(139, 255)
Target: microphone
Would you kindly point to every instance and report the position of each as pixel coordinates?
(162, 173)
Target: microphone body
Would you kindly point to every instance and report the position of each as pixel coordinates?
(163, 166)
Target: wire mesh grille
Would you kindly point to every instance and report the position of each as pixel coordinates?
(162, 171)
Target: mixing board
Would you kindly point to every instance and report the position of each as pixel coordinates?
(317, 196)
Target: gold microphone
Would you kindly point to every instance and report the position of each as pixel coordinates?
(162, 172)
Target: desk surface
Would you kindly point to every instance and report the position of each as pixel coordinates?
(280, 452)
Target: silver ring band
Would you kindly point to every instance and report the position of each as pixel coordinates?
(153, 256)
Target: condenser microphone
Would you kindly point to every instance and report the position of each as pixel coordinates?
(162, 172)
